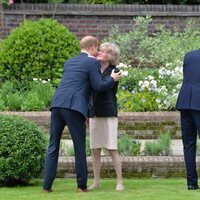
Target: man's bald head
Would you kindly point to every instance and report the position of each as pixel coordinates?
(88, 41)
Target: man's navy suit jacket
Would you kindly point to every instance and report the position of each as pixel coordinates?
(81, 74)
(189, 96)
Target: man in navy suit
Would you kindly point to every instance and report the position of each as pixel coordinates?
(70, 107)
(189, 105)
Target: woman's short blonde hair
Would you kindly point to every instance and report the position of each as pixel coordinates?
(112, 50)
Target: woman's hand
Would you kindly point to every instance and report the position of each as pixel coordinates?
(116, 76)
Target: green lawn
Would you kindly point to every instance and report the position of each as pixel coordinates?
(136, 189)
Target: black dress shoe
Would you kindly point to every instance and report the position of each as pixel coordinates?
(193, 187)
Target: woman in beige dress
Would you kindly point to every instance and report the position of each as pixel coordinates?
(103, 118)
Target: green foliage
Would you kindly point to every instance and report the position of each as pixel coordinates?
(32, 102)
(141, 101)
(88, 150)
(128, 146)
(36, 49)
(160, 147)
(164, 46)
(155, 89)
(44, 91)
(143, 188)
(22, 150)
(130, 40)
(14, 101)
(130, 96)
(10, 98)
(36, 96)
(2, 104)
(198, 147)
(68, 149)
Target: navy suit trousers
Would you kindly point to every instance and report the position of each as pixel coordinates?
(60, 117)
(190, 125)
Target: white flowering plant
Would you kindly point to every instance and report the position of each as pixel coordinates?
(150, 89)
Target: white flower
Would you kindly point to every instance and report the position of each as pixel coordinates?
(35, 79)
(146, 83)
(159, 106)
(153, 82)
(140, 83)
(143, 100)
(163, 87)
(168, 72)
(174, 90)
(158, 100)
(44, 81)
(49, 79)
(165, 94)
(168, 64)
(124, 73)
(150, 77)
(122, 65)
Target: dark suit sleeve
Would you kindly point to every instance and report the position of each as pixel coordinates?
(96, 80)
(115, 87)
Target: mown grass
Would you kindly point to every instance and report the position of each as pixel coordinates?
(135, 189)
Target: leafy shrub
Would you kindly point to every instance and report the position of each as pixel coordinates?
(131, 40)
(149, 89)
(128, 146)
(32, 102)
(164, 46)
(14, 101)
(2, 104)
(35, 96)
(44, 90)
(10, 98)
(140, 101)
(160, 147)
(22, 150)
(36, 49)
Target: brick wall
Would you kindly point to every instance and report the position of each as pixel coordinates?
(140, 125)
(98, 19)
(134, 166)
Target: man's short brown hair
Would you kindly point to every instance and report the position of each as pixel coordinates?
(88, 41)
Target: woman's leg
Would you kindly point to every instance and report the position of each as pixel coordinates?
(118, 168)
(96, 167)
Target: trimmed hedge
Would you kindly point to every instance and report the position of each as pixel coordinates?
(36, 49)
(22, 150)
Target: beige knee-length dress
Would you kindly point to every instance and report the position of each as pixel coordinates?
(103, 132)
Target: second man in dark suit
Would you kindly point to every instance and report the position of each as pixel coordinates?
(189, 105)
